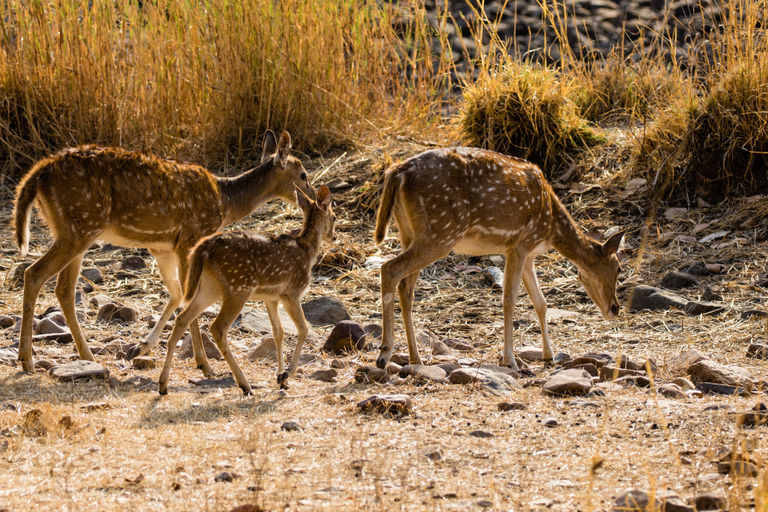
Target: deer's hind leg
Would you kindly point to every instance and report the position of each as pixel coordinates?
(293, 307)
(230, 308)
(66, 285)
(531, 283)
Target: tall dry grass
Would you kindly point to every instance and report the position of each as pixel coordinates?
(202, 80)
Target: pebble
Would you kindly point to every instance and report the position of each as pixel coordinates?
(455, 344)
(710, 371)
(291, 426)
(345, 337)
(324, 375)
(93, 274)
(423, 372)
(370, 374)
(77, 370)
(675, 280)
(323, 311)
(266, 349)
(144, 363)
(671, 391)
(569, 382)
(757, 351)
(133, 263)
(112, 311)
(388, 404)
(512, 406)
(49, 326)
(185, 351)
(7, 321)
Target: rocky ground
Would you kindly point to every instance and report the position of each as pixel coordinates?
(666, 402)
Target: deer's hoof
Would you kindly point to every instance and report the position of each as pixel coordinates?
(282, 380)
(163, 391)
(132, 352)
(247, 391)
(382, 361)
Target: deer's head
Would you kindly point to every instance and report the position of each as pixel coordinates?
(599, 279)
(290, 173)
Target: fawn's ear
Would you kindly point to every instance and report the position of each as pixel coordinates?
(283, 150)
(302, 199)
(269, 146)
(324, 198)
(611, 246)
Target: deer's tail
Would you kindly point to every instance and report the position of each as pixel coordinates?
(387, 204)
(26, 193)
(197, 259)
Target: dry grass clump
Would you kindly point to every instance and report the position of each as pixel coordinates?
(525, 111)
(203, 82)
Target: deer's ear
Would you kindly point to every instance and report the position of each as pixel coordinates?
(283, 150)
(324, 198)
(269, 146)
(611, 246)
(302, 199)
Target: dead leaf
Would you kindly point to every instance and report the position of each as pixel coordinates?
(699, 227)
(713, 236)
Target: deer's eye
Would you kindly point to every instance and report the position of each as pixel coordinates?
(304, 176)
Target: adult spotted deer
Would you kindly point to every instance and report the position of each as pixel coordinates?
(236, 268)
(478, 202)
(134, 199)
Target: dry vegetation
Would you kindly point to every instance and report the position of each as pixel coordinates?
(202, 81)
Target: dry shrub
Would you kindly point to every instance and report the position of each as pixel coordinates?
(526, 111)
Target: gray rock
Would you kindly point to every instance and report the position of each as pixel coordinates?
(671, 390)
(48, 326)
(680, 363)
(374, 331)
(371, 374)
(449, 367)
(740, 468)
(78, 370)
(675, 280)
(226, 476)
(709, 501)
(7, 321)
(609, 372)
(441, 349)
(757, 351)
(388, 404)
(186, 351)
(512, 406)
(425, 338)
(57, 337)
(133, 263)
(599, 360)
(325, 311)
(703, 308)
(496, 382)
(685, 384)
(223, 382)
(266, 349)
(257, 320)
(710, 371)
(400, 358)
(632, 500)
(97, 301)
(93, 275)
(346, 336)
(648, 297)
(568, 383)
(324, 375)
(17, 281)
(144, 363)
(550, 422)
(709, 388)
(291, 426)
(461, 346)
(116, 312)
(423, 372)
(530, 354)
(482, 434)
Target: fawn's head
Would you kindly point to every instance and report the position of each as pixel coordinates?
(322, 207)
(290, 174)
(599, 279)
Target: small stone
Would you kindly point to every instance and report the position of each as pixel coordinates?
(461, 346)
(530, 354)
(338, 363)
(721, 389)
(291, 426)
(324, 375)
(512, 406)
(226, 476)
(374, 331)
(449, 367)
(550, 422)
(111, 311)
(493, 381)
(17, 281)
(325, 311)
(425, 338)
(144, 363)
(680, 363)
(648, 297)
(712, 372)
(757, 351)
(441, 349)
(61, 338)
(631, 500)
(685, 384)
(93, 275)
(400, 358)
(569, 382)
(434, 454)
(100, 300)
(370, 374)
(739, 468)
(223, 382)
(423, 372)
(394, 368)
(694, 308)
(44, 364)
(266, 349)
(48, 326)
(589, 368)
(675, 280)
(598, 360)
(629, 364)
(186, 350)
(133, 263)
(482, 434)
(709, 501)
(388, 404)
(77, 370)
(346, 336)
(608, 373)
(7, 321)
(671, 391)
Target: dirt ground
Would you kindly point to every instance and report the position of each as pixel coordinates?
(127, 448)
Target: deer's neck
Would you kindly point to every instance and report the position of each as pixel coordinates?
(568, 239)
(242, 194)
(311, 233)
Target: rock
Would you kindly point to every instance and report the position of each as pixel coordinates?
(599, 360)
(482, 434)
(589, 368)
(324, 375)
(325, 311)
(635, 500)
(17, 281)
(425, 338)
(712, 295)
(498, 369)
(710, 371)
(423, 372)
(561, 358)
(709, 501)
(703, 308)
(388, 404)
(373, 331)
(57, 317)
(684, 383)
(97, 301)
(721, 389)
(346, 336)
(48, 326)
(7, 321)
(93, 275)
(530, 354)
(291, 426)
(626, 363)
(679, 364)
(461, 346)
(133, 263)
(753, 314)
(569, 382)
(370, 374)
(44, 364)
(186, 352)
(144, 363)
(675, 280)
(609, 372)
(512, 406)
(226, 476)
(434, 454)
(266, 349)
(77, 370)
(753, 419)
(640, 381)
(58, 337)
(550, 422)
(257, 320)
(441, 349)
(496, 382)
(757, 351)
(738, 468)
(648, 297)
(400, 359)
(449, 367)
(578, 402)
(112, 311)
(223, 382)
(118, 347)
(671, 391)
(394, 369)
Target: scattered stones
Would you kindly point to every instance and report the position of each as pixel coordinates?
(648, 297)
(441, 349)
(680, 363)
(675, 280)
(712, 372)
(266, 349)
(186, 351)
(144, 363)
(387, 404)
(133, 263)
(671, 391)
(78, 370)
(721, 389)
(291, 426)
(111, 311)
(461, 346)
(569, 382)
(93, 275)
(757, 351)
(370, 374)
(325, 311)
(423, 372)
(512, 406)
(223, 382)
(345, 337)
(324, 375)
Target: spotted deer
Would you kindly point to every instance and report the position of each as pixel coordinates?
(236, 268)
(134, 199)
(478, 202)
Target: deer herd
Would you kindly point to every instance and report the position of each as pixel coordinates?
(466, 200)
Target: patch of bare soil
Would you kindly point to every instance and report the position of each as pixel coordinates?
(98, 445)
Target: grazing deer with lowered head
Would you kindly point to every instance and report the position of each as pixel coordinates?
(478, 202)
(236, 268)
(134, 199)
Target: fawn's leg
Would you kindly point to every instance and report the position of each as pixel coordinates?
(230, 308)
(531, 283)
(66, 285)
(52, 262)
(278, 333)
(293, 307)
(182, 253)
(513, 271)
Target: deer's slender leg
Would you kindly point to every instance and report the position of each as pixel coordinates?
(531, 283)
(293, 307)
(52, 262)
(277, 332)
(66, 285)
(406, 289)
(513, 271)
(230, 308)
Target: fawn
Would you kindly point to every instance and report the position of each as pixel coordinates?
(237, 268)
(133, 199)
(478, 202)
